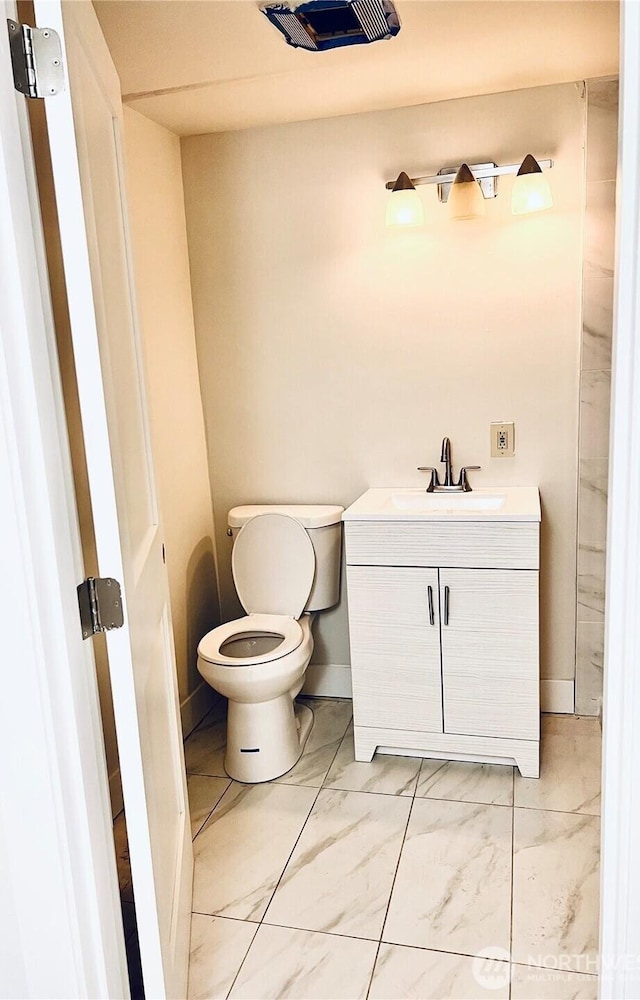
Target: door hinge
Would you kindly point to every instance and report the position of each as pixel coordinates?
(36, 57)
(100, 603)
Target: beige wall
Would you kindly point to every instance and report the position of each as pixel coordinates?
(334, 354)
(156, 209)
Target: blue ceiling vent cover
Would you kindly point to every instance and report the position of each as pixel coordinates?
(328, 24)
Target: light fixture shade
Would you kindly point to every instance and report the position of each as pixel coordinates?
(404, 207)
(465, 200)
(531, 191)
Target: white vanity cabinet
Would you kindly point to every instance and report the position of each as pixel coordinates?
(443, 622)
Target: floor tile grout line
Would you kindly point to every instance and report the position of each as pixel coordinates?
(230, 785)
(470, 802)
(373, 969)
(437, 771)
(262, 921)
(290, 855)
(331, 934)
(205, 774)
(244, 958)
(436, 798)
(369, 940)
(352, 937)
(201, 726)
(395, 874)
(338, 749)
(398, 795)
(441, 951)
(302, 828)
(406, 795)
(427, 798)
(225, 916)
(211, 811)
(553, 969)
(415, 787)
(558, 812)
(393, 883)
(368, 791)
(415, 794)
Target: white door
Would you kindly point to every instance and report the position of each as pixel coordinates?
(85, 126)
(60, 923)
(490, 652)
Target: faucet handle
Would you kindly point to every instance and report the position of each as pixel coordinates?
(463, 481)
(434, 481)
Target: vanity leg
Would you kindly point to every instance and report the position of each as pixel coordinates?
(364, 746)
(528, 762)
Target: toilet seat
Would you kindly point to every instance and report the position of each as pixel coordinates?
(273, 564)
(287, 627)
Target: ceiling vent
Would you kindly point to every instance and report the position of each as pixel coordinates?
(328, 24)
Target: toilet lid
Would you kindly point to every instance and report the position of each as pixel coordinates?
(273, 565)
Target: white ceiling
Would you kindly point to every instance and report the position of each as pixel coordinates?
(216, 65)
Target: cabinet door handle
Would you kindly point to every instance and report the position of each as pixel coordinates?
(446, 605)
(432, 619)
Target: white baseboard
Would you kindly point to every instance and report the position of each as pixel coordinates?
(557, 697)
(328, 680)
(194, 708)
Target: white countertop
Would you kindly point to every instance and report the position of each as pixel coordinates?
(399, 503)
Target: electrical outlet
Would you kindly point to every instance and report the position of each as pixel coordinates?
(503, 440)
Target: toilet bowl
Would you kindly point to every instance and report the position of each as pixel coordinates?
(266, 732)
(259, 661)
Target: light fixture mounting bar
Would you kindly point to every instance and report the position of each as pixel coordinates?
(478, 171)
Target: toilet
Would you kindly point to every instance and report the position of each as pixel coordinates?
(286, 567)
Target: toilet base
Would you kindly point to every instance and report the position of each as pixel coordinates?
(265, 740)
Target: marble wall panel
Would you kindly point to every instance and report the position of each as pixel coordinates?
(595, 388)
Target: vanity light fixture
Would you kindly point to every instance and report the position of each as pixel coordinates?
(404, 207)
(531, 191)
(466, 200)
(469, 186)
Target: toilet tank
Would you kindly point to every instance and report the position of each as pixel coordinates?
(324, 527)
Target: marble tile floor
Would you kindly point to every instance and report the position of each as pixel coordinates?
(396, 879)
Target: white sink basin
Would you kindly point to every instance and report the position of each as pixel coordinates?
(504, 503)
(421, 500)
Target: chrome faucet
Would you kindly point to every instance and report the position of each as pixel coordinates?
(435, 486)
(446, 458)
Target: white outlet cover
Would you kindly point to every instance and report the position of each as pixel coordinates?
(503, 440)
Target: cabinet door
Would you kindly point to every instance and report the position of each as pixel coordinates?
(395, 647)
(490, 652)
